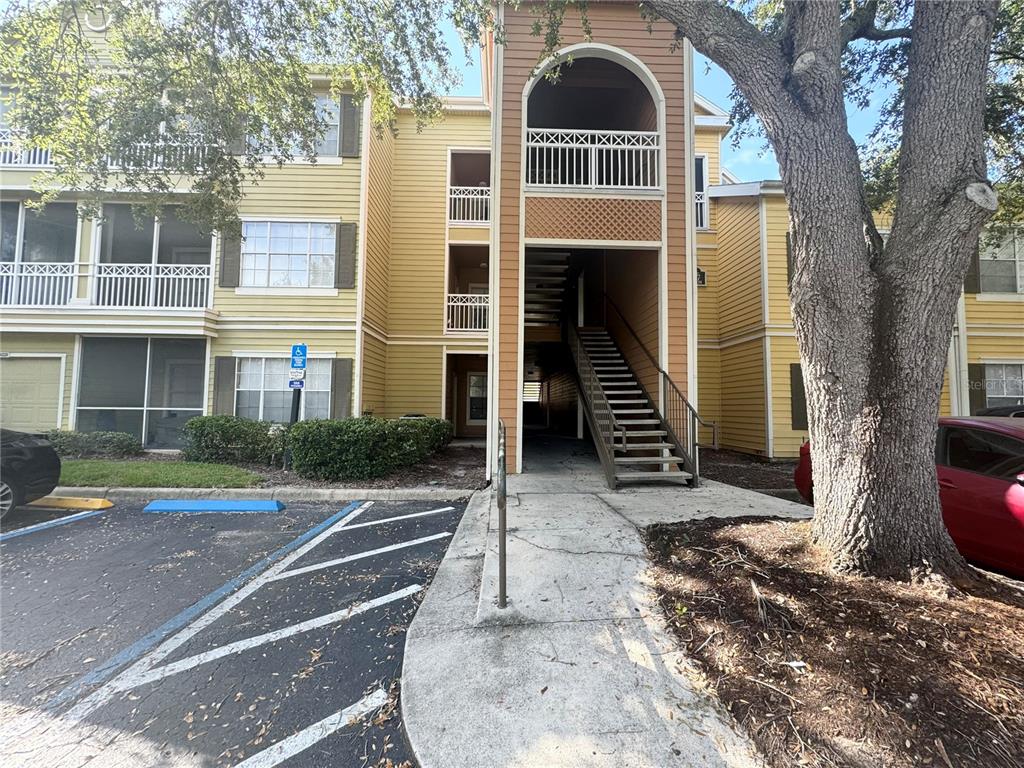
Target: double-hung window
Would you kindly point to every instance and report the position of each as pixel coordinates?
(1001, 267)
(262, 392)
(329, 111)
(288, 254)
(1004, 385)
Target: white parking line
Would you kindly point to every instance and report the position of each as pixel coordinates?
(401, 517)
(104, 693)
(128, 682)
(359, 556)
(307, 737)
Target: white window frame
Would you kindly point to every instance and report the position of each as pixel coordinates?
(706, 224)
(244, 287)
(991, 364)
(239, 357)
(469, 396)
(1016, 244)
(19, 243)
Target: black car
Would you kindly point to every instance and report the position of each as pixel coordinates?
(29, 469)
(1003, 410)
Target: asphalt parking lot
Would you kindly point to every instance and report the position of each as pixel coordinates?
(136, 638)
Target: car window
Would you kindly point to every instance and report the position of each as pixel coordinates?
(988, 453)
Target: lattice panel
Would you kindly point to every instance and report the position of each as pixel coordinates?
(593, 218)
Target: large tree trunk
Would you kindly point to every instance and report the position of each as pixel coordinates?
(873, 323)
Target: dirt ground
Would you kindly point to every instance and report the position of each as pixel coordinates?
(747, 471)
(825, 670)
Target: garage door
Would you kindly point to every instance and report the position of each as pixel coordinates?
(29, 393)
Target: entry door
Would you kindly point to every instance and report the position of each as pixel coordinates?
(30, 390)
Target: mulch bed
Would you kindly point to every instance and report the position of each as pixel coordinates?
(828, 670)
(747, 471)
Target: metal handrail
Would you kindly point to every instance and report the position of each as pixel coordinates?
(603, 424)
(677, 412)
(502, 488)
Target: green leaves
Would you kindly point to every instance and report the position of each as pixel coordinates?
(198, 96)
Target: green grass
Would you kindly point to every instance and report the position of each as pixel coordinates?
(155, 474)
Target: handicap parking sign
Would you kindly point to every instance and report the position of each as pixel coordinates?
(298, 355)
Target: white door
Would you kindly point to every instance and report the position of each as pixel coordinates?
(30, 389)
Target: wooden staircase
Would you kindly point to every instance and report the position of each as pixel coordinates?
(644, 450)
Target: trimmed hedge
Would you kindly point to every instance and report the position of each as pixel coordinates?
(76, 445)
(363, 448)
(230, 439)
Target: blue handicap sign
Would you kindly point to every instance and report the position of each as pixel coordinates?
(298, 355)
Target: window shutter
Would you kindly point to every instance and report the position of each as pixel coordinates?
(230, 261)
(348, 146)
(345, 256)
(341, 388)
(976, 387)
(797, 397)
(972, 281)
(224, 385)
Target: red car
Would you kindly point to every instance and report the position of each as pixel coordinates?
(980, 464)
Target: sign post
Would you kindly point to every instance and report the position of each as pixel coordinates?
(296, 382)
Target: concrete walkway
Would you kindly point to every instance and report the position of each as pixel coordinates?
(579, 670)
(278, 493)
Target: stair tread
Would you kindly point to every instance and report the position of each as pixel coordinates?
(648, 460)
(644, 446)
(652, 475)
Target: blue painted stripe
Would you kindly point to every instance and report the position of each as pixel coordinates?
(49, 524)
(213, 505)
(107, 669)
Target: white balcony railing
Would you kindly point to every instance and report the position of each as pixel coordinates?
(162, 154)
(42, 284)
(469, 205)
(467, 312)
(566, 158)
(700, 209)
(12, 154)
(185, 286)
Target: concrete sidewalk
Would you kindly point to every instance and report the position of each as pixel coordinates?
(579, 670)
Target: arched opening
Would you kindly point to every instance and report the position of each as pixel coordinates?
(595, 127)
(593, 93)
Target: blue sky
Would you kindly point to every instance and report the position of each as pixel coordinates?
(750, 161)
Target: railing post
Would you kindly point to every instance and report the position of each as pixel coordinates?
(502, 503)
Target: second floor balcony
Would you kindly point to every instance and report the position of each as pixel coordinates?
(160, 263)
(582, 159)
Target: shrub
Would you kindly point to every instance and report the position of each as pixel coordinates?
(232, 439)
(74, 445)
(363, 448)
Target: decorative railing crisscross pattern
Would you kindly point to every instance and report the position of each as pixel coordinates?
(469, 205)
(467, 312)
(37, 284)
(558, 157)
(152, 285)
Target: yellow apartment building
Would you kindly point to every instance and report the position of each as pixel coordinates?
(566, 258)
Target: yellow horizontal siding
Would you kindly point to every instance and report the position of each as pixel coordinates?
(1009, 315)
(378, 228)
(776, 215)
(469, 234)
(786, 440)
(419, 192)
(709, 388)
(739, 266)
(414, 376)
(375, 363)
(46, 343)
(743, 397)
(981, 348)
(708, 296)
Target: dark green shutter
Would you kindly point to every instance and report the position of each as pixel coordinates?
(976, 387)
(230, 261)
(348, 146)
(972, 281)
(345, 256)
(797, 398)
(341, 388)
(224, 385)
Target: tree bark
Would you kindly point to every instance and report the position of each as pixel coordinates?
(873, 323)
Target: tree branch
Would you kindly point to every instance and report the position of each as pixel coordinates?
(860, 25)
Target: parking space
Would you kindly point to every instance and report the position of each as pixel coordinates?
(219, 639)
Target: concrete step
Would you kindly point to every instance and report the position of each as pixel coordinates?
(670, 475)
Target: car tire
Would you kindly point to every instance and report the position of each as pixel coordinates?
(10, 497)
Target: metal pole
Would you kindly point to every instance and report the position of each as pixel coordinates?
(296, 399)
(502, 597)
